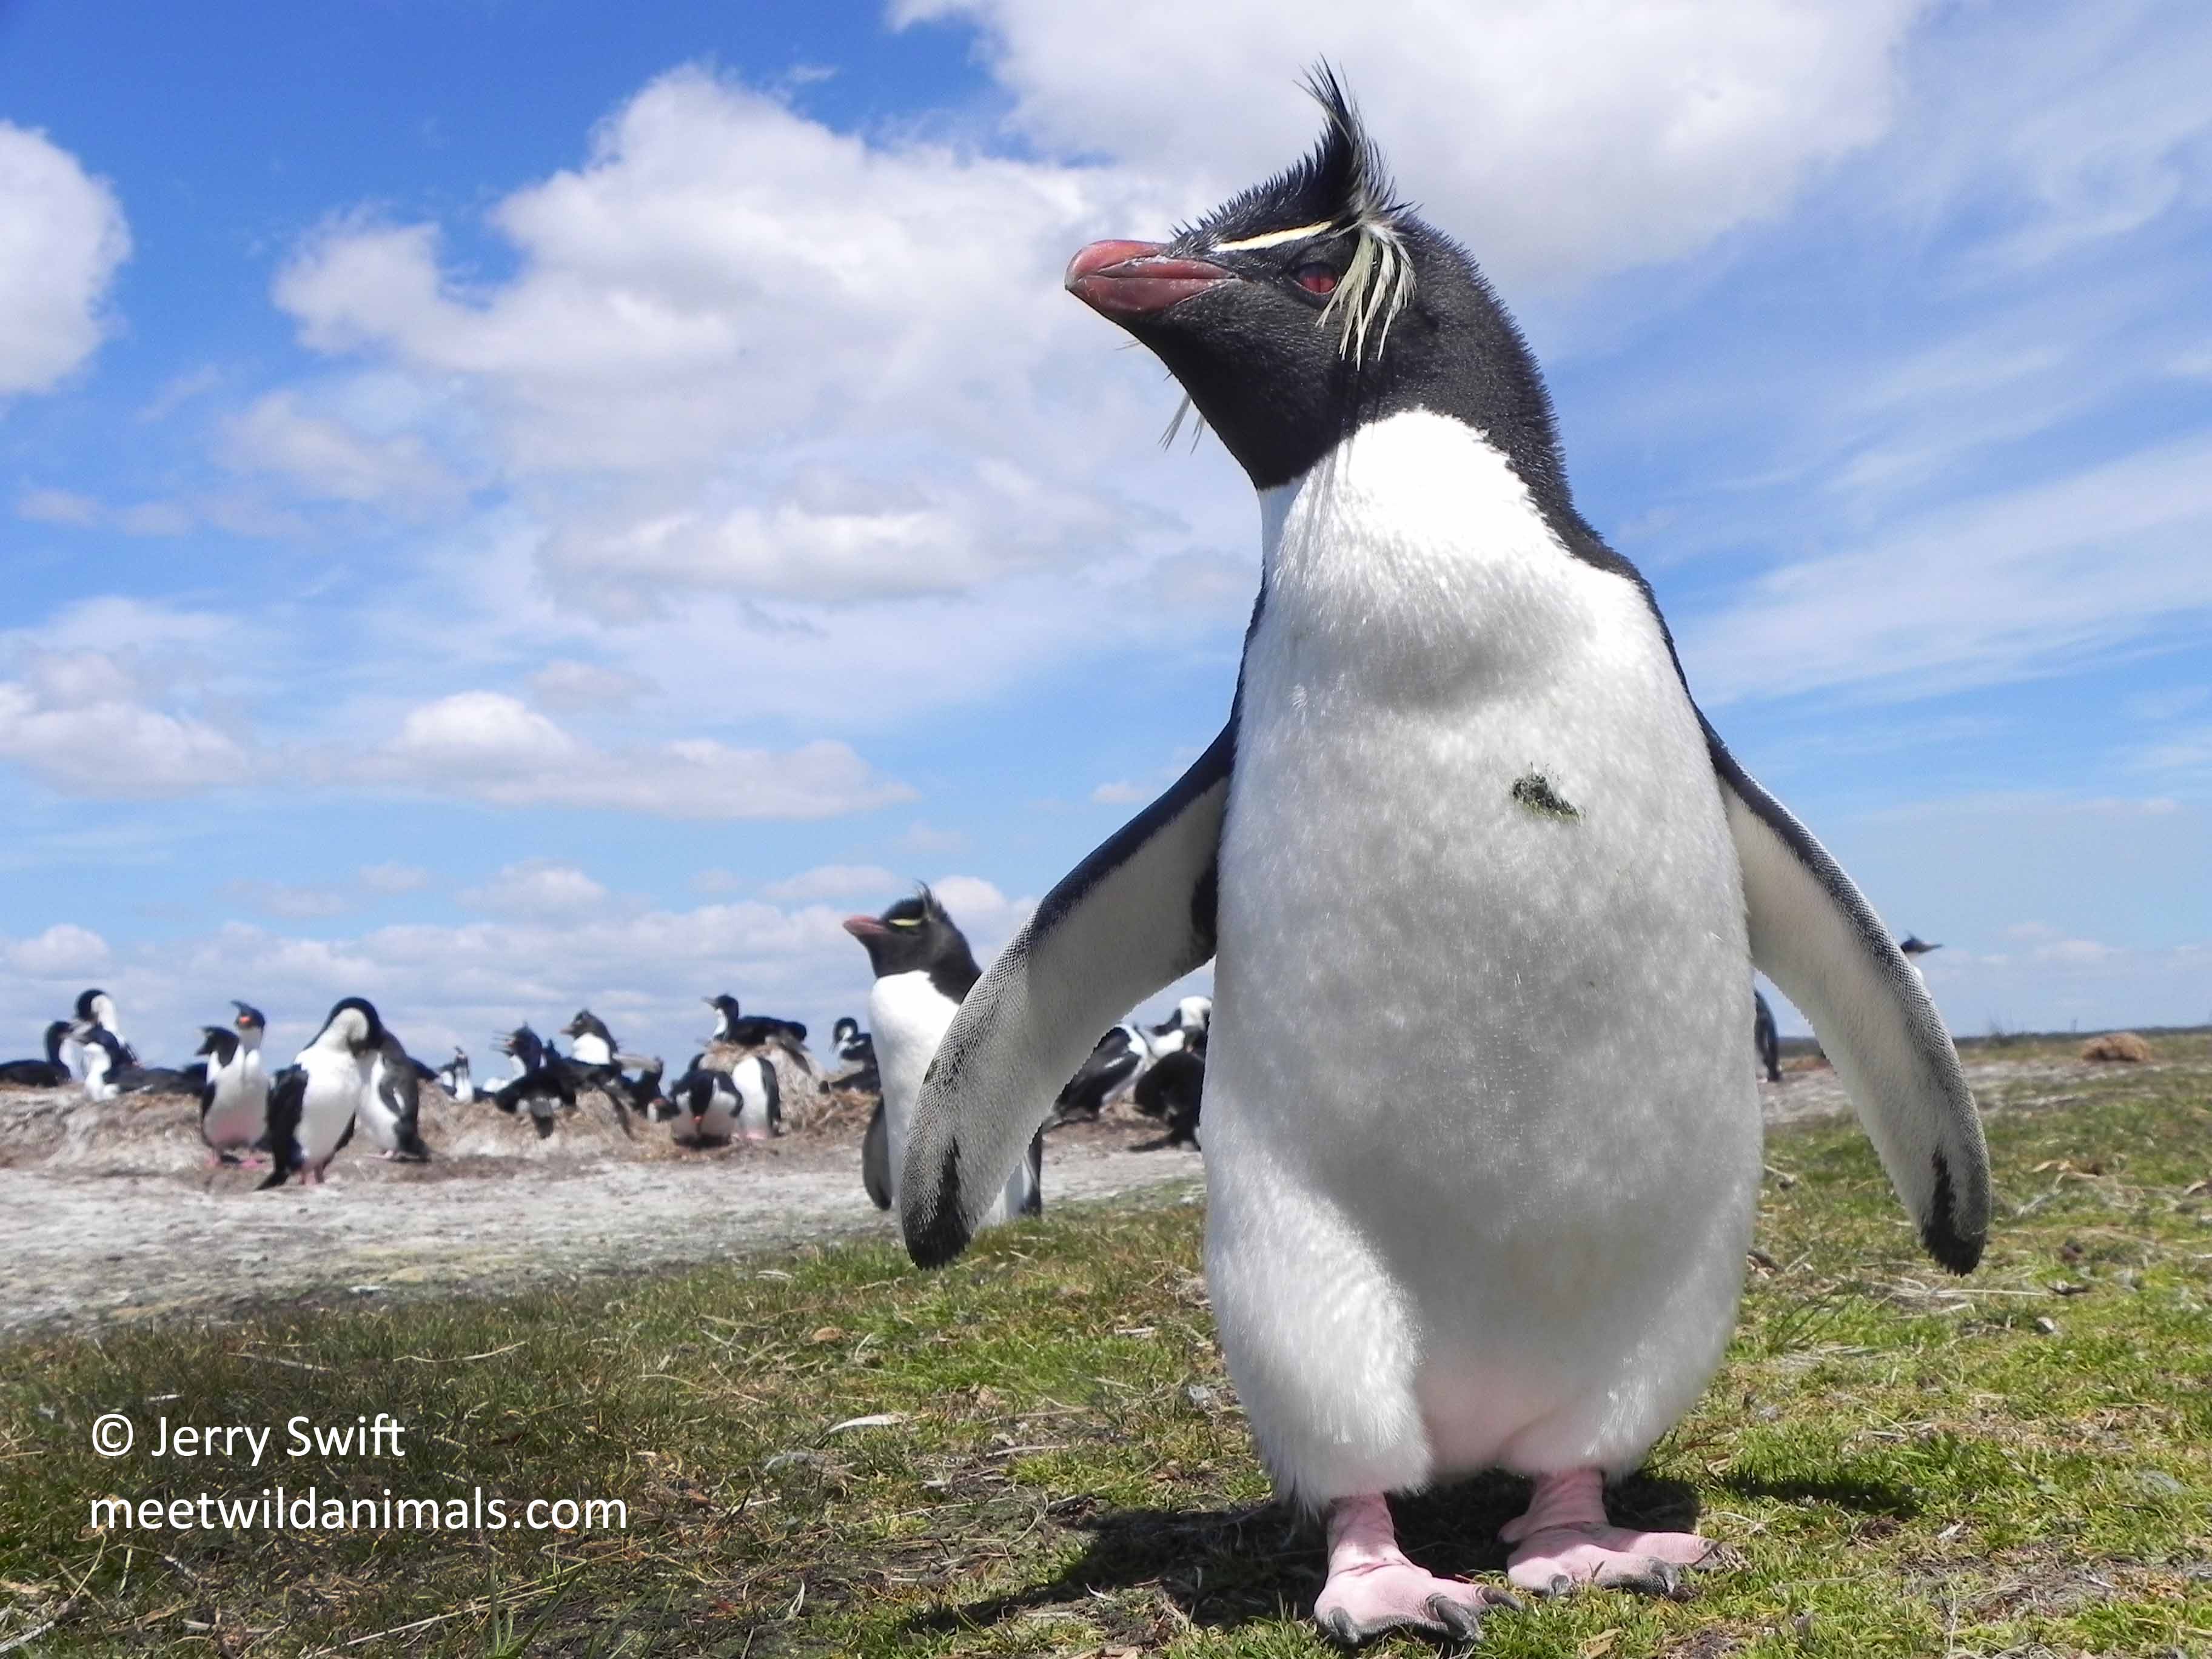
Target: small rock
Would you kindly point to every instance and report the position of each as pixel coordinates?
(365, 1290)
(2160, 1481)
(2048, 1327)
(1200, 1395)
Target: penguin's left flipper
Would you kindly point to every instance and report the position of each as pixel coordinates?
(1136, 915)
(1814, 935)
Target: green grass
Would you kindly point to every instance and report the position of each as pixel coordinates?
(1901, 1463)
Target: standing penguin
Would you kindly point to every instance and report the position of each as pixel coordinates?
(234, 1099)
(1766, 1037)
(923, 968)
(392, 1101)
(1484, 892)
(313, 1106)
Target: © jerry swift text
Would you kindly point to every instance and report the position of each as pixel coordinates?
(113, 1434)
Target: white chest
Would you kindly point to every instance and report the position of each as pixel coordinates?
(235, 1117)
(909, 1016)
(1474, 840)
(334, 1084)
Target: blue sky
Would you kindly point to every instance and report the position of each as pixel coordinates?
(508, 507)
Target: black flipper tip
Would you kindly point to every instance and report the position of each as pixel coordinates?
(943, 1235)
(1960, 1252)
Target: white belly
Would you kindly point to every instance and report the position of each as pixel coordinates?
(750, 1118)
(240, 1109)
(909, 1016)
(714, 1123)
(1481, 1154)
(382, 1123)
(327, 1106)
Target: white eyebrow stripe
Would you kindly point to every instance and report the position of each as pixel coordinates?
(1273, 237)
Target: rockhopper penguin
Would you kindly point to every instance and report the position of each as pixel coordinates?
(923, 968)
(1485, 893)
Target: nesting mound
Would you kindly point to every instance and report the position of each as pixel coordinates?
(132, 1133)
(2123, 1046)
(160, 1134)
(479, 1129)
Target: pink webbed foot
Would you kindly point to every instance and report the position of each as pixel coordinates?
(1372, 1587)
(1564, 1539)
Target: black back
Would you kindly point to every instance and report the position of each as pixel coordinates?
(288, 1096)
(400, 1085)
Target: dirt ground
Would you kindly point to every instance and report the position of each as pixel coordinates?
(107, 1212)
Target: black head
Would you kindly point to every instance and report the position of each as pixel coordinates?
(1315, 303)
(94, 1034)
(250, 1018)
(916, 934)
(726, 1013)
(844, 1029)
(1913, 945)
(585, 1021)
(88, 1004)
(525, 1045)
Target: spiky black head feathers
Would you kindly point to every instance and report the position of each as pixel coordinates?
(918, 935)
(1318, 302)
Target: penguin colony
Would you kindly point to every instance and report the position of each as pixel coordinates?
(1484, 892)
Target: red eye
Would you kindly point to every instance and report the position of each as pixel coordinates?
(1315, 278)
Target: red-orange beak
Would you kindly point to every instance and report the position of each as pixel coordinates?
(1125, 280)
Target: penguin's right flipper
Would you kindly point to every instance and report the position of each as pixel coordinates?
(876, 1160)
(1814, 935)
(1136, 915)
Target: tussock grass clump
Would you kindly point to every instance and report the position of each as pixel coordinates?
(2124, 1047)
(1038, 1452)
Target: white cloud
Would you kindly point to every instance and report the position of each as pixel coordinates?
(62, 506)
(63, 951)
(1562, 140)
(540, 889)
(74, 726)
(61, 238)
(835, 881)
(2015, 583)
(325, 460)
(1121, 793)
(487, 746)
(570, 687)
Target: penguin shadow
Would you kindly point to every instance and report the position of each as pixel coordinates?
(1225, 1568)
(1862, 1495)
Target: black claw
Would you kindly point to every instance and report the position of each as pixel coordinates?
(1460, 1622)
(1341, 1627)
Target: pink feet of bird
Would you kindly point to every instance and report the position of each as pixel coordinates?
(1562, 1541)
(1373, 1588)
